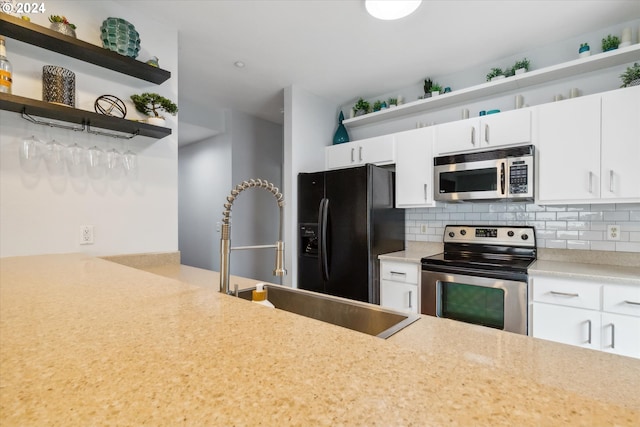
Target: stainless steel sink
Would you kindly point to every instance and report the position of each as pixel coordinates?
(362, 317)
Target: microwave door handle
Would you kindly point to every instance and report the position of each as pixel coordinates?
(503, 178)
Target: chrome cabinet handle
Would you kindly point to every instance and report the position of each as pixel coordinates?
(399, 273)
(360, 153)
(611, 189)
(473, 136)
(486, 133)
(564, 294)
(410, 299)
(590, 182)
(632, 302)
(425, 192)
(589, 338)
(353, 150)
(613, 336)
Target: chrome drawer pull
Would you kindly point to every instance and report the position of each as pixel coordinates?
(473, 136)
(564, 294)
(353, 150)
(613, 336)
(589, 339)
(410, 299)
(632, 302)
(399, 273)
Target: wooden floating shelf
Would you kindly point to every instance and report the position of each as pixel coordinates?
(544, 75)
(43, 37)
(32, 107)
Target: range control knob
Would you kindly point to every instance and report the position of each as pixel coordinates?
(463, 232)
(525, 236)
(510, 233)
(451, 234)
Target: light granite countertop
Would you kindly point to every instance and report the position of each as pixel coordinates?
(85, 341)
(582, 271)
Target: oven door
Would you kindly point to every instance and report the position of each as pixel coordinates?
(496, 303)
(486, 179)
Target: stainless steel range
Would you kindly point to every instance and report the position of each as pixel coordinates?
(481, 277)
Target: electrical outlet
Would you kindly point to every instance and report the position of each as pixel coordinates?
(86, 234)
(423, 228)
(613, 232)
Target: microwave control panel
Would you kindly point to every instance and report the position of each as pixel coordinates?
(518, 177)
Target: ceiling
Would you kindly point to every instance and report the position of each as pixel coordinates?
(334, 49)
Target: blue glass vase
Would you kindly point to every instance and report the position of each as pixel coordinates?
(341, 135)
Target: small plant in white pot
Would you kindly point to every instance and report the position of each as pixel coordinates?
(152, 103)
(495, 74)
(436, 89)
(521, 66)
(631, 77)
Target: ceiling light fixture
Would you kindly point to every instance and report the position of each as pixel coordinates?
(391, 9)
(239, 64)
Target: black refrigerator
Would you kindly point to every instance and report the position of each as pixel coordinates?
(346, 218)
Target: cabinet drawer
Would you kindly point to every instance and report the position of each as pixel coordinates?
(400, 272)
(621, 299)
(399, 296)
(570, 293)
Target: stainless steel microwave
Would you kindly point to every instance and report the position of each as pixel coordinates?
(487, 175)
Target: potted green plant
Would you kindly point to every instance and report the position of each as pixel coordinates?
(436, 89)
(377, 106)
(427, 87)
(610, 43)
(584, 50)
(62, 25)
(152, 103)
(361, 107)
(521, 66)
(393, 102)
(631, 77)
(495, 74)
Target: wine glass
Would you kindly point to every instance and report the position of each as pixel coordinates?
(96, 162)
(54, 157)
(114, 163)
(130, 161)
(30, 153)
(75, 160)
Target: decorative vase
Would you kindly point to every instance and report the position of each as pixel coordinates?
(521, 71)
(63, 28)
(58, 85)
(435, 92)
(341, 135)
(120, 36)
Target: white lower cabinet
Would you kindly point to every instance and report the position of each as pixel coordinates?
(590, 314)
(399, 285)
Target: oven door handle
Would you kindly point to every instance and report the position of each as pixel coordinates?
(503, 178)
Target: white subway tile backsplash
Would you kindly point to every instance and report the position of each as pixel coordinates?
(616, 216)
(565, 226)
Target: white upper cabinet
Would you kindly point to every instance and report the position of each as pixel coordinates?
(414, 168)
(494, 130)
(621, 144)
(379, 150)
(569, 150)
(589, 149)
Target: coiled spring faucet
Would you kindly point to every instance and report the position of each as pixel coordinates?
(225, 238)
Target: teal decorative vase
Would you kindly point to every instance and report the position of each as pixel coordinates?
(341, 135)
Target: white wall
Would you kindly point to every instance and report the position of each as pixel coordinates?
(310, 122)
(41, 212)
(209, 169)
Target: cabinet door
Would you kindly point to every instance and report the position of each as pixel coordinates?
(621, 334)
(569, 150)
(510, 127)
(568, 325)
(621, 144)
(341, 155)
(462, 135)
(414, 168)
(379, 150)
(399, 296)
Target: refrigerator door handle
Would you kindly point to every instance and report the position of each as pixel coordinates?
(322, 238)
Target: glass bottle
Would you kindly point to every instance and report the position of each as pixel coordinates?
(5, 69)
